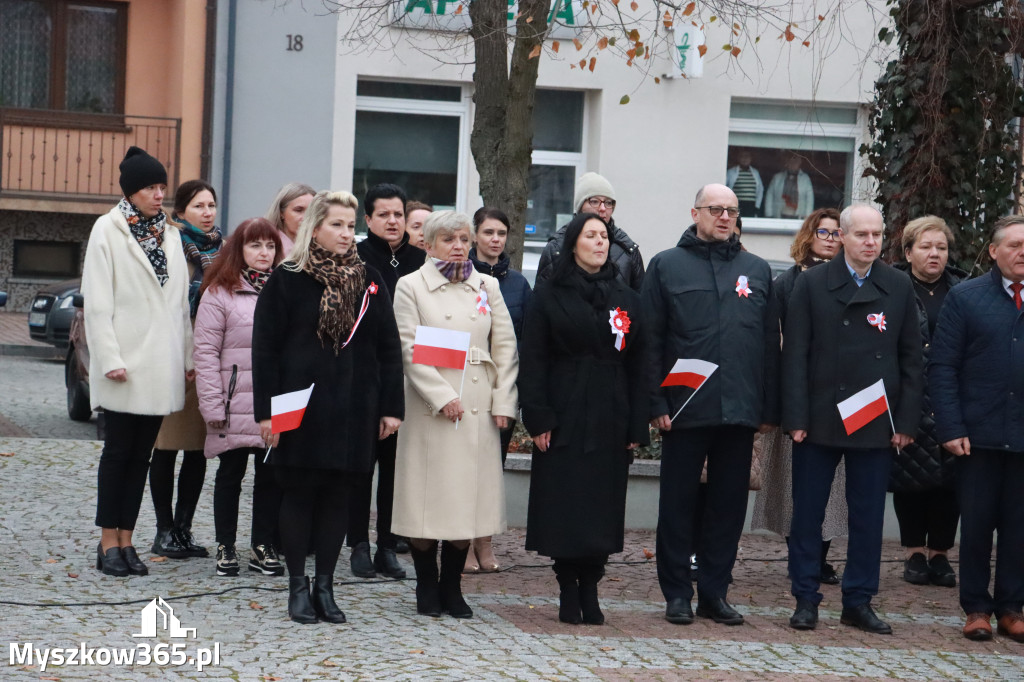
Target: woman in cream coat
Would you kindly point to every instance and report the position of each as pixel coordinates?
(448, 474)
(135, 285)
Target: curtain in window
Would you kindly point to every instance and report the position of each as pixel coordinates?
(91, 59)
(26, 33)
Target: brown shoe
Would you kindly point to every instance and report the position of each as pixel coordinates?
(1012, 625)
(485, 555)
(472, 565)
(978, 627)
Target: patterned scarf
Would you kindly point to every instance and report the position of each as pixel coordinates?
(811, 260)
(149, 233)
(455, 270)
(257, 278)
(343, 277)
(200, 247)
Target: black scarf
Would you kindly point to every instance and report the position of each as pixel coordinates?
(149, 233)
(594, 288)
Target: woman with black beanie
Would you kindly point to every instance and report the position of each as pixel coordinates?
(135, 285)
(583, 398)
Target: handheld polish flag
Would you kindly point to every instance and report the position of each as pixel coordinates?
(690, 373)
(286, 412)
(440, 347)
(863, 407)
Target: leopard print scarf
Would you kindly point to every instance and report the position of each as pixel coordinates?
(344, 278)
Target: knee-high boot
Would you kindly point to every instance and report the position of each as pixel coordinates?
(450, 583)
(428, 596)
(590, 575)
(568, 576)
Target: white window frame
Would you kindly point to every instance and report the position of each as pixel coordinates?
(853, 131)
(460, 110)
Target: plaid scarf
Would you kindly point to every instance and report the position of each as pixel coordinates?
(257, 278)
(455, 270)
(200, 247)
(343, 277)
(149, 233)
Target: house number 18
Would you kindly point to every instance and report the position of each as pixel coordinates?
(294, 42)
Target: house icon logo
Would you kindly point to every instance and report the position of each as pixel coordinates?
(158, 614)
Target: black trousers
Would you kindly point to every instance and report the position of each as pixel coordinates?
(989, 490)
(928, 518)
(728, 451)
(123, 465)
(314, 515)
(227, 488)
(362, 496)
(190, 486)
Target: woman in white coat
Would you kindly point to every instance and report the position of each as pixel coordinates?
(448, 474)
(135, 285)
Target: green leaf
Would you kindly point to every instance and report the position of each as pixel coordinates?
(624, 100)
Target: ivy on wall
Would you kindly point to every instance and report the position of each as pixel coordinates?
(944, 122)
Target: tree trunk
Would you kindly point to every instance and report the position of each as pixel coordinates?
(502, 138)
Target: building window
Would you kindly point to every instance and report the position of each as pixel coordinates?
(51, 260)
(415, 136)
(558, 159)
(62, 55)
(786, 160)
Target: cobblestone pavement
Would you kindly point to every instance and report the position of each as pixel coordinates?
(33, 400)
(47, 499)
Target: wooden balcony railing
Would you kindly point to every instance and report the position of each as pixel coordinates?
(57, 155)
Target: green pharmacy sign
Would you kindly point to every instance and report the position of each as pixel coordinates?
(453, 16)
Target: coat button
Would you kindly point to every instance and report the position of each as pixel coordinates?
(928, 345)
(447, 316)
(475, 379)
(842, 387)
(475, 410)
(878, 356)
(444, 287)
(473, 316)
(468, 288)
(846, 323)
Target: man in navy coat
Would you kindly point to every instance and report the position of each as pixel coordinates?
(850, 324)
(977, 382)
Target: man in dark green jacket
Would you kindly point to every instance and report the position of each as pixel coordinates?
(708, 300)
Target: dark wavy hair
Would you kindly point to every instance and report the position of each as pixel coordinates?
(230, 261)
(805, 235)
(186, 192)
(384, 190)
(566, 261)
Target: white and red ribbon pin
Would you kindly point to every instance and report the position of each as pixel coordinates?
(372, 288)
(743, 286)
(482, 306)
(619, 321)
(877, 320)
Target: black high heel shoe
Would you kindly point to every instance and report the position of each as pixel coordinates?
(111, 562)
(132, 560)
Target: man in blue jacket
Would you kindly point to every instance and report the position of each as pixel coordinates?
(977, 382)
(708, 300)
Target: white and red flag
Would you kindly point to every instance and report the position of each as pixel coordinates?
(864, 407)
(692, 373)
(286, 410)
(440, 347)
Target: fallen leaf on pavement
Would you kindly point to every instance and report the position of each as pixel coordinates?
(254, 605)
(51, 561)
(329, 663)
(648, 554)
(416, 651)
(271, 678)
(615, 580)
(72, 575)
(6, 454)
(607, 648)
(158, 559)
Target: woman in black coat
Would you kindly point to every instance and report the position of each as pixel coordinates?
(325, 318)
(583, 399)
(924, 495)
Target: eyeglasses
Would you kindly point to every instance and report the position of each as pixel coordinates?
(827, 234)
(716, 211)
(595, 202)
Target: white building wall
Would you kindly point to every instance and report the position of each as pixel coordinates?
(294, 113)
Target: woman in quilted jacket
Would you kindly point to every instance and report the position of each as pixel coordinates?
(924, 497)
(223, 358)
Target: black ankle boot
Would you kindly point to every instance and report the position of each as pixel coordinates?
(183, 531)
(450, 581)
(591, 609)
(300, 607)
(323, 600)
(167, 544)
(428, 595)
(568, 575)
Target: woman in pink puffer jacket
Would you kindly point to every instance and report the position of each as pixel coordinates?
(223, 359)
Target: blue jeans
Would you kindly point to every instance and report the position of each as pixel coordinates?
(867, 477)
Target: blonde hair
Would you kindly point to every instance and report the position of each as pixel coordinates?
(285, 196)
(316, 214)
(918, 226)
(444, 222)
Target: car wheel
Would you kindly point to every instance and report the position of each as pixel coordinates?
(78, 391)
